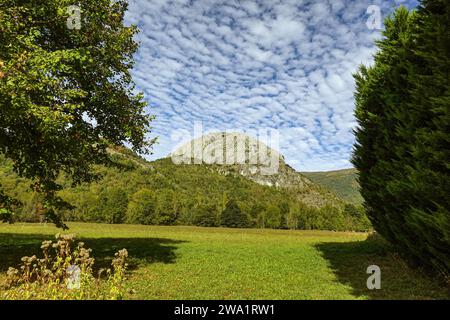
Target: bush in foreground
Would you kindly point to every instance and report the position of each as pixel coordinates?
(65, 273)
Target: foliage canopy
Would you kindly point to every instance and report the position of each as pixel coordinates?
(66, 93)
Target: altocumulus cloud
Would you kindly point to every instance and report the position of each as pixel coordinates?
(247, 65)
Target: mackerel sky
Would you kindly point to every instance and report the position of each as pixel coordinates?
(256, 65)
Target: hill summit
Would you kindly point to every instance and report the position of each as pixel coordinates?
(254, 159)
(223, 148)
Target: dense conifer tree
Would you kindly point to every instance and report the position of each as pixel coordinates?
(233, 217)
(402, 150)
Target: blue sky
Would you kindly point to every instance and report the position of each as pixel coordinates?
(249, 65)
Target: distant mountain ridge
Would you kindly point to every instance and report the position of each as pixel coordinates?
(343, 183)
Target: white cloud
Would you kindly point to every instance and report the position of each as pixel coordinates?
(283, 64)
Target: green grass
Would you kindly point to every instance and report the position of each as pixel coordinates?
(218, 263)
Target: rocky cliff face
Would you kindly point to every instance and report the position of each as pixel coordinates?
(238, 153)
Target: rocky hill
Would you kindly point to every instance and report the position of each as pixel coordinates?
(237, 153)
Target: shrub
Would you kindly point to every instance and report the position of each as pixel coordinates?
(65, 273)
(205, 215)
(233, 217)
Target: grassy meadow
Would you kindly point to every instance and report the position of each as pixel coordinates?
(216, 263)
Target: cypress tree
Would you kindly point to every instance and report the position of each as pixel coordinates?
(402, 153)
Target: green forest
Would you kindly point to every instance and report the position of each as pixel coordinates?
(136, 191)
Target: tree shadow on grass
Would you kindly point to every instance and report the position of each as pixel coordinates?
(349, 262)
(14, 246)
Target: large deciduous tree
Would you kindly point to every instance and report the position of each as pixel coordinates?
(403, 139)
(66, 92)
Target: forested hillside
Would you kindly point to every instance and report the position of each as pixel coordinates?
(343, 183)
(161, 192)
